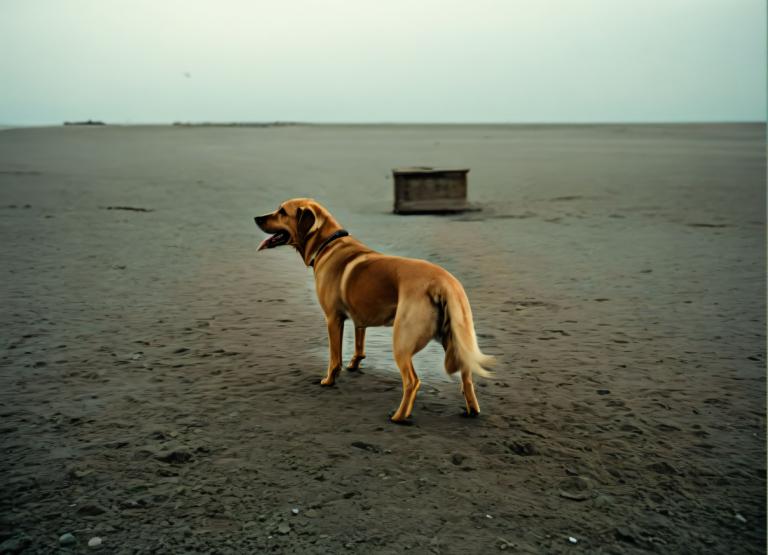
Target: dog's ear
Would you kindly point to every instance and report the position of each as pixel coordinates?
(307, 221)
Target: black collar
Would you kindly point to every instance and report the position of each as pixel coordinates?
(338, 235)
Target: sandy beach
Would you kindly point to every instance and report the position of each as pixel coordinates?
(159, 377)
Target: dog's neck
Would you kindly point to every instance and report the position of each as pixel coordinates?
(319, 241)
(337, 235)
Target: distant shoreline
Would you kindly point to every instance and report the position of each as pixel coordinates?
(279, 124)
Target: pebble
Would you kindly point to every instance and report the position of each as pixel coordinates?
(94, 542)
(284, 528)
(572, 539)
(741, 518)
(67, 539)
(295, 510)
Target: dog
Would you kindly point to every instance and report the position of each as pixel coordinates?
(420, 300)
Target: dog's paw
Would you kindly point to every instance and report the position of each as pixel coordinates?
(325, 382)
(354, 364)
(400, 421)
(472, 413)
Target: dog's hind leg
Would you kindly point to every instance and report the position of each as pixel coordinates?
(414, 327)
(468, 389)
(453, 365)
(335, 332)
(359, 355)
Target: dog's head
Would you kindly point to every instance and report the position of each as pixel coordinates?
(298, 222)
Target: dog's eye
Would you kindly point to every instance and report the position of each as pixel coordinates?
(282, 211)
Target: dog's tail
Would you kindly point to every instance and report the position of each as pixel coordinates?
(457, 330)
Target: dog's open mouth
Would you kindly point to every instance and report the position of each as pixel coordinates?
(279, 238)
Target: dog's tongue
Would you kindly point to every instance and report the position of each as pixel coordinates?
(273, 241)
(265, 243)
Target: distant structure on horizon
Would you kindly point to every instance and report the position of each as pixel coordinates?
(86, 122)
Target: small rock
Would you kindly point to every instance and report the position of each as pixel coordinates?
(572, 539)
(457, 459)
(67, 539)
(662, 467)
(603, 501)
(366, 446)
(295, 511)
(526, 449)
(741, 518)
(90, 509)
(94, 542)
(311, 513)
(283, 528)
(625, 534)
(576, 488)
(603, 391)
(506, 544)
(175, 456)
(14, 545)
(76, 473)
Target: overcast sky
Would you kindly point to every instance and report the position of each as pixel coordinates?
(382, 60)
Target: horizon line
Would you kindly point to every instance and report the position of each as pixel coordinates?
(289, 123)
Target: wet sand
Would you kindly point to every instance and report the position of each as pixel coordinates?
(159, 378)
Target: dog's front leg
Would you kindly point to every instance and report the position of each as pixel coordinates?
(335, 331)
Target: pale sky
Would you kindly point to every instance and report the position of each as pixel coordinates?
(159, 61)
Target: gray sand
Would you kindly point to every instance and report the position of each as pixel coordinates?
(618, 272)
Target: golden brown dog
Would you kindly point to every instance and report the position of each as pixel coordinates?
(421, 300)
